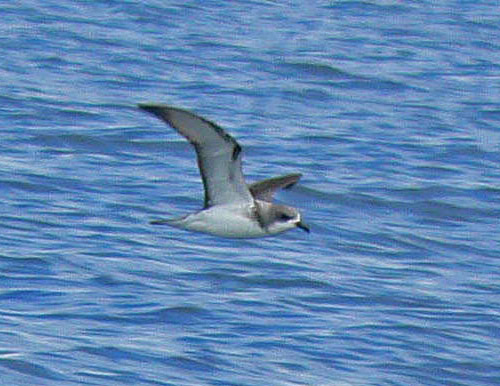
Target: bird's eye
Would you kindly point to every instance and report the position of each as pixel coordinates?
(285, 217)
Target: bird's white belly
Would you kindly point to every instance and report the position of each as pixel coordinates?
(225, 221)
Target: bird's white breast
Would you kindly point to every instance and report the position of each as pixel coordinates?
(234, 221)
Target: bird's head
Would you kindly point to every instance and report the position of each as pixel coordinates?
(280, 218)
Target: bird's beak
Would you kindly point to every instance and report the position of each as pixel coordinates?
(303, 226)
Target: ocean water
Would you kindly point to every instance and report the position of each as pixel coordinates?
(389, 109)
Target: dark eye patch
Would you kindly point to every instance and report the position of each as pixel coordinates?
(285, 217)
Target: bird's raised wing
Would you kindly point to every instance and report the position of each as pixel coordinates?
(219, 155)
(264, 190)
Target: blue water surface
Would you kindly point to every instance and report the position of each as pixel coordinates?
(390, 109)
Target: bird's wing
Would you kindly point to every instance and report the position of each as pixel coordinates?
(219, 155)
(264, 190)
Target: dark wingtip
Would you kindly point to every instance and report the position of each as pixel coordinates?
(297, 177)
(158, 110)
(150, 107)
(145, 106)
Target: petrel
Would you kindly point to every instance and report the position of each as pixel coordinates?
(232, 208)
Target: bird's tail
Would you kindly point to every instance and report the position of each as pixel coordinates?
(173, 222)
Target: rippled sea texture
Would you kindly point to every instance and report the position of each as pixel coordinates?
(390, 109)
